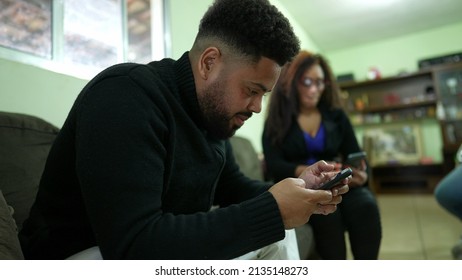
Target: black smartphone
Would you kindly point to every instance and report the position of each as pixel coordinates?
(337, 179)
(354, 159)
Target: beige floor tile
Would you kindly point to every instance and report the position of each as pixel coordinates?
(415, 227)
(440, 230)
(400, 256)
(400, 232)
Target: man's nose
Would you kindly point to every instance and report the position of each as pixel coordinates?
(255, 104)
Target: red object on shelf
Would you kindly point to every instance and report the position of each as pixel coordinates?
(426, 160)
(391, 99)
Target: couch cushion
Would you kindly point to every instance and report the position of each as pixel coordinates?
(246, 157)
(24, 145)
(9, 242)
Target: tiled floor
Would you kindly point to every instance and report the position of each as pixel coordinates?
(415, 227)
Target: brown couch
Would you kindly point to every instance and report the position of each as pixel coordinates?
(24, 145)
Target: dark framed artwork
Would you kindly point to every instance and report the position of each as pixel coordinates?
(26, 26)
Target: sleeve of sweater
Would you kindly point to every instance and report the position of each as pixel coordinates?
(349, 142)
(120, 164)
(234, 186)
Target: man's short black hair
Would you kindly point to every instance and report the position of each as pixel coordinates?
(253, 27)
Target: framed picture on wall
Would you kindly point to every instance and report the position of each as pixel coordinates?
(26, 26)
(394, 144)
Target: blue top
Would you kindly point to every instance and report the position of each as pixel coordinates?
(314, 145)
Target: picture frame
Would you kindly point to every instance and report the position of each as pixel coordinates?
(26, 26)
(393, 144)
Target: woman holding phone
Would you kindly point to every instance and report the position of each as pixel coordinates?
(304, 124)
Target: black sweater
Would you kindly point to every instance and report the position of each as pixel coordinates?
(134, 172)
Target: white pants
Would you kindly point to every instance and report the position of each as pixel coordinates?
(92, 253)
(286, 249)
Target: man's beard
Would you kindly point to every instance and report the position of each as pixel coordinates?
(217, 120)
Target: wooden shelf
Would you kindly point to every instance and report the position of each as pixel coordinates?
(385, 108)
(406, 178)
(404, 77)
(425, 99)
(412, 91)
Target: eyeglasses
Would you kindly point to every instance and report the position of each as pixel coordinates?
(308, 82)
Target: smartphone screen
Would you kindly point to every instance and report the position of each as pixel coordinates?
(354, 159)
(337, 179)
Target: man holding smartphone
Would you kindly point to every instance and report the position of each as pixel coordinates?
(144, 153)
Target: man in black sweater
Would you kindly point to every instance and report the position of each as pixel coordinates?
(143, 154)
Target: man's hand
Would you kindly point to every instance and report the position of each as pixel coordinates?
(298, 199)
(321, 172)
(297, 204)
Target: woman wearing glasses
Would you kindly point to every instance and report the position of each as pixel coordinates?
(305, 123)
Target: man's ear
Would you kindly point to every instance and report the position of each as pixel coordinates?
(207, 61)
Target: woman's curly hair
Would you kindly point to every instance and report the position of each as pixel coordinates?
(255, 28)
(284, 104)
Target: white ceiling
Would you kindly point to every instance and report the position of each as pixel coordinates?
(338, 24)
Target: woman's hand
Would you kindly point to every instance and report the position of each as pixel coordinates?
(359, 176)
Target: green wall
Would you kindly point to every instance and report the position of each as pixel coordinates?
(402, 54)
(50, 95)
(31, 90)
(399, 54)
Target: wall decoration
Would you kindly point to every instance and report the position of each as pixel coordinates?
(26, 26)
(394, 144)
